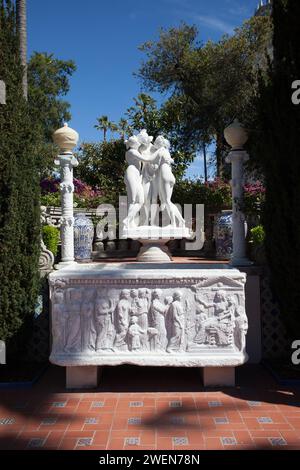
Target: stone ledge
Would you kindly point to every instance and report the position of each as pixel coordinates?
(167, 360)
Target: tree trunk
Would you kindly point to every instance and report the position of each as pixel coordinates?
(205, 162)
(104, 134)
(219, 154)
(22, 31)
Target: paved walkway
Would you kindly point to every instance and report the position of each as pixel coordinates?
(152, 408)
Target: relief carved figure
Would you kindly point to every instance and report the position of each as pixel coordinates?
(215, 330)
(73, 324)
(201, 321)
(103, 323)
(157, 315)
(223, 319)
(140, 308)
(86, 320)
(122, 314)
(59, 319)
(176, 324)
(241, 328)
(136, 335)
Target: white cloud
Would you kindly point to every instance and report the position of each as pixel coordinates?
(238, 8)
(214, 23)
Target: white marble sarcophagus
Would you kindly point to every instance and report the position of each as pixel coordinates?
(147, 315)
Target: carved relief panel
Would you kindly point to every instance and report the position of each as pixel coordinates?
(98, 316)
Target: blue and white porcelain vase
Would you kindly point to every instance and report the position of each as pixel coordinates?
(223, 235)
(83, 237)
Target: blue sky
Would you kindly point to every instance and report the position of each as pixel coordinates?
(102, 37)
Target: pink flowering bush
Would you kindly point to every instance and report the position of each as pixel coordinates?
(254, 198)
(84, 195)
(216, 195)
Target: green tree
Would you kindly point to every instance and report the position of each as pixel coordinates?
(278, 151)
(105, 125)
(19, 195)
(48, 81)
(102, 166)
(144, 114)
(214, 82)
(113, 128)
(124, 128)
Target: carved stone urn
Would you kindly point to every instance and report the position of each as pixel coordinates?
(236, 135)
(66, 138)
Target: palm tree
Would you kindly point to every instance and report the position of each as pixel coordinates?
(22, 30)
(123, 127)
(103, 125)
(113, 128)
(144, 102)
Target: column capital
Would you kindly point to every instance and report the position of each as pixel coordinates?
(237, 155)
(66, 159)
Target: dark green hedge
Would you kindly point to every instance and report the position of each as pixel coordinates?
(51, 238)
(19, 196)
(280, 156)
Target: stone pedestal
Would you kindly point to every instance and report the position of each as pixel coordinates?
(134, 313)
(239, 258)
(66, 163)
(236, 137)
(154, 252)
(82, 377)
(154, 241)
(218, 376)
(66, 138)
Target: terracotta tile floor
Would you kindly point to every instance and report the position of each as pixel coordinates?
(152, 408)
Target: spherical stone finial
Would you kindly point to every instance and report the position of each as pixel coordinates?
(236, 135)
(66, 138)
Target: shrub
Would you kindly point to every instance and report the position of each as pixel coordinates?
(257, 235)
(19, 197)
(254, 198)
(51, 238)
(51, 199)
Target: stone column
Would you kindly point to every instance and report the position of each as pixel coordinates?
(66, 138)
(236, 136)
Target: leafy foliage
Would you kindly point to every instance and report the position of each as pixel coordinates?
(102, 166)
(84, 195)
(211, 84)
(257, 235)
(19, 196)
(51, 238)
(48, 80)
(215, 195)
(48, 83)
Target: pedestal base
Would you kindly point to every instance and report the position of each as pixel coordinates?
(154, 252)
(82, 376)
(218, 376)
(154, 240)
(65, 264)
